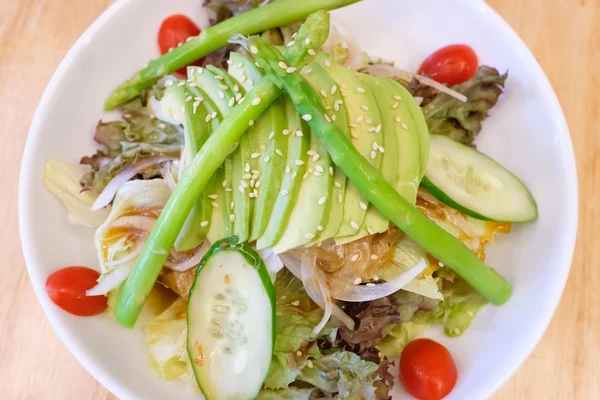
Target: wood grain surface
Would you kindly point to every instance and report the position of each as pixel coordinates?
(564, 35)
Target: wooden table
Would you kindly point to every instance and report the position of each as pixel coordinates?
(563, 35)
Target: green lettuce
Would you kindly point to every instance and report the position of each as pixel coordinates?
(129, 141)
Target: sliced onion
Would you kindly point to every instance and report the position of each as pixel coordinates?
(338, 34)
(419, 100)
(139, 222)
(110, 281)
(190, 262)
(132, 255)
(168, 176)
(119, 180)
(272, 261)
(294, 265)
(316, 286)
(389, 71)
(369, 293)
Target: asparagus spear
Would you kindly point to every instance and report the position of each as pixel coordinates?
(196, 176)
(279, 13)
(374, 187)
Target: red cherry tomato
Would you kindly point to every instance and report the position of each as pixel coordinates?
(427, 370)
(67, 286)
(451, 64)
(175, 30)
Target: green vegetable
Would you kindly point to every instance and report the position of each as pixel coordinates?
(276, 14)
(291, 393)
(193, 181)
(373, 186)
(231, 322)
(451, 117)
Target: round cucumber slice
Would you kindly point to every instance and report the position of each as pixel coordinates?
(475, 184)
(231, 322)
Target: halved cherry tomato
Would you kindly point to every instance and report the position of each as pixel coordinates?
(427, 370)
(451, 64)
(67, 286)
(174, 30)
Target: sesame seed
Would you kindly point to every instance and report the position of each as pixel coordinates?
(317, 173)
(294, 35)
(247, 176)
(378, 128)
(254, 155)
(238, 96)
(372, 129)
(311, 153)
(306, 174)
(333, 89)
(236, 87)
(282, 65)
(271, 135)
(327, 63)
(359, 119)
(231, 217)
(353, 125)
(196, 104)
(397, 98)
(331, 171)
(290, 70)
(370, 284)
(340, 198)
(336, 107)
(188, 99)
(307, 117)
(327, 117)
(333, 117)
(311, 52)
(373, 155)
(299, 162)
(251, 122)
(208, 118)
(322, 200)
(244, 184)
(320, 228)
(299, 133)
(253, 49)
(306, 70)
(357, 281)
(374, 145)
(257, 184)
(328, 108)
(381, 149)
(365, 107)
(354, 258)
(404, 126)
(395, 105)
(231, 102)
(204, 223)
(241, 100)
(214, 204)
(363, 205)
(290, 44)
(309, 236)
(247, 167)
(323, 93)
(319, 168)
(213, 196)
(307, 41)
(231, 205)
(279, 152)
(360, 90)
(224, 87)
(354, 135)
(219, 77)
(369, 121)
(316, 158)
(284, 192)
(288, 169)
(294, 175)
(228, 189)
(354, 224)
(256, 101)
(251, 195)
(337, 184)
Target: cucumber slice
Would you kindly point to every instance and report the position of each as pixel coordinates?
(231, 322)
(476, 185)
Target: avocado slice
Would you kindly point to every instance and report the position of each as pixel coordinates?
(270, 148)
(365, 128)
(298, 147)
(319, 79)
(217, 105)
(374, 221)
(419, 125)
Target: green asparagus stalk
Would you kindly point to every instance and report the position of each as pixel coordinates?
(374, 187)
(196, 176)
(278, 13)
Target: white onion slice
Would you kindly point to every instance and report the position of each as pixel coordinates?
(369, 293)
(338, 34)
(139, 222)
(110, 281)
(294, 265)
(272, 262)
(190, 262)
(316, 286)
(119, 180)
(132, 255)
(442, 88)
(168, 176)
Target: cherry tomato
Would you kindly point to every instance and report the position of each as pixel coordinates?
(175, 30)
(67, 286)
(451, 64)
(427, 370)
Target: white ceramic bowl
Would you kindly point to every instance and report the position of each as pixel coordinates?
(526, 132)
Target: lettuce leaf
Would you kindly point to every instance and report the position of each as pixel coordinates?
(127, 142)
(446, 115)
(291, 393)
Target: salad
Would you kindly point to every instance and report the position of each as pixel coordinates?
(284, 214)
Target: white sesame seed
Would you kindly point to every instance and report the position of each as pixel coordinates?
(290, 70)
(282, 65)
(365, 107)
(309, 236)
(306, 174)
(311, 153)
(363, 205)
(353, 125)
(257, 184)
(316, 158)
(256, 101)
(323, 93)
(331, 171)
(333, 117)
(373, 155)
(279, 152)
(208, 118)
(251, 122)
(381, 149)
(231, 102)
(374, 145)
(299, 133)
(378, 128)
(354, 224)
(319, 168)
(307, 117)
(333, 89)
(327, 63)
(369, 121)
(306, 70)
(284, 192)
(253, 49)
(290, 44)
(254, 155)
(311, 52)
(360, 90)
(244, 184)
(188, 99)
(231, 205)
(228, 189)
(238, 96)
(372, 129)
(247, 176)
(204, 223)
(357, 281)
(294, 175)
(231, 217)
(359, 119)
(224, 183)
(247, 167)
(322, 200)
(251, 195)
(327, 117)
(404, 126)
(354, 258)
(337, 184)
(340, 198)
(224, 87)
(397, 98)
(370, 284)
(307, 41)
(288, 169)
(213, 196)
(299, 162)
(214, 204)
(336, 107)
(219, 77)
(317, 173)
(213, 115)
(294, 35)
(395, 105)
(320, 228)
(236, 87)
(271, 135)
(354, 135)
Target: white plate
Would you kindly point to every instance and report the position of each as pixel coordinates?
(526, 132)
